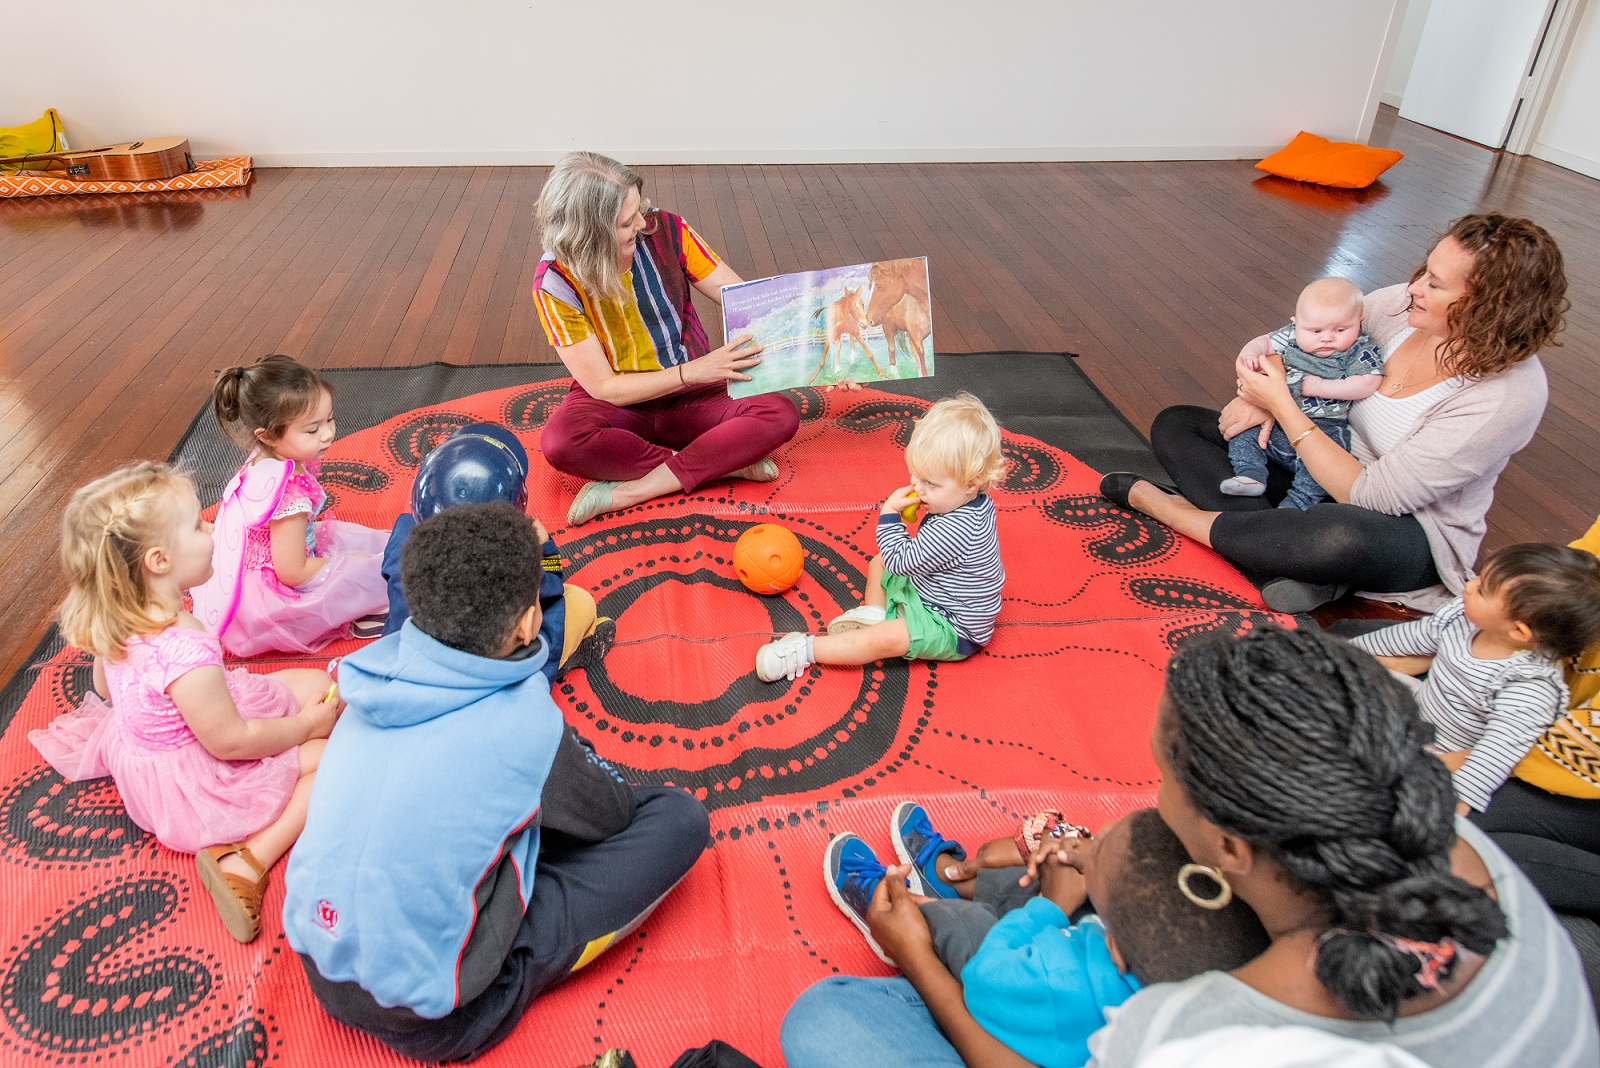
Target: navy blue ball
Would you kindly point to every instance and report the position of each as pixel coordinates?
(503, 436)
(471, 468)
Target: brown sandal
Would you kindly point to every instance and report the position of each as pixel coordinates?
(238, 900)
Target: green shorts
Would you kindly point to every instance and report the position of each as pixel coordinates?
(933, 637)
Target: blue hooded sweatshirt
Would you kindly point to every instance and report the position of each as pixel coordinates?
(417, 861)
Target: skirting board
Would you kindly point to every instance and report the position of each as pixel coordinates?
(1581, 164)
(663, 158)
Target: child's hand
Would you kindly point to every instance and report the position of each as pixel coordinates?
(998, 853)
(1073, 852)
(1063, 884)
(894, 919)
(321, 715)
(899, 501)
(539, 531)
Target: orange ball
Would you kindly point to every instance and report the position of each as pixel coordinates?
(768, 558)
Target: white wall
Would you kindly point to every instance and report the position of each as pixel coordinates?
(402, 82)
(1570, 132)
(1405, 51)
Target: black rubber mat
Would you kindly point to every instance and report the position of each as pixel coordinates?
(1041, 394)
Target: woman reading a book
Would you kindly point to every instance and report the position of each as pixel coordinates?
(649, 413)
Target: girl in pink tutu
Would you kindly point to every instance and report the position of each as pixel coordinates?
(286, 579)
(201, 756)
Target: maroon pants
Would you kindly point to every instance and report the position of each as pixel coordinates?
(712, 433)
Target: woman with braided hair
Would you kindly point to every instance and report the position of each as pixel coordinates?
(1293, 771)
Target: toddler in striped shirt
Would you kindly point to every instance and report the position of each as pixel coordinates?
(934, 596)
(1493, 659)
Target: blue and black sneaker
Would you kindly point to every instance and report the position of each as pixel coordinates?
(916, 843)
(852, 874)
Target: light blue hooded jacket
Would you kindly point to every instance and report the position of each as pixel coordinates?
(417, 861)
(1042, 984)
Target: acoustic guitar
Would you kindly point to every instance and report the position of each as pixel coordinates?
(131, 161)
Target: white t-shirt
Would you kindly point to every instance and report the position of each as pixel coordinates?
(1377, 423)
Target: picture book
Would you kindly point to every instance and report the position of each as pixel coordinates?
(868, 322)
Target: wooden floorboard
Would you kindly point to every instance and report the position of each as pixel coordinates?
(114, 311)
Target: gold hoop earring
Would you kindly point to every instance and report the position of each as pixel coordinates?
(1224, 894)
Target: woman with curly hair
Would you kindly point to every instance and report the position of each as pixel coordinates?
(1293, 771)
(1463, 390)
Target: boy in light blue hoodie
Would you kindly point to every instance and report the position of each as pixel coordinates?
(463, 845)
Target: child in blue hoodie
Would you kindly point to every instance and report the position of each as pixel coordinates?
(462, 849)
(1031, 977)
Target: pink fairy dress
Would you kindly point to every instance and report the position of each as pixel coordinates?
(171, 785)
(246, 604)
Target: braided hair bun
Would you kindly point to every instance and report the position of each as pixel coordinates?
(1303, 746)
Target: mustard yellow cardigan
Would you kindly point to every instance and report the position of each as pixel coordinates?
(1566, 759)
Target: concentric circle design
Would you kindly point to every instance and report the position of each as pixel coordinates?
(1033, 468)
(529, 409)
(1117, 537)
(61, 991)
(674, 731)
(411, 441)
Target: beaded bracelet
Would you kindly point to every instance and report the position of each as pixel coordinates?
(1047, 824)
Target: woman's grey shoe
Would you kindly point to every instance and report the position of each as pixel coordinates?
(1291, 596)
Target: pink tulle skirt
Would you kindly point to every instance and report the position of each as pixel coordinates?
(274, 618)
(186, 797)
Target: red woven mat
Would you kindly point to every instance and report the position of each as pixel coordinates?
(113, 954)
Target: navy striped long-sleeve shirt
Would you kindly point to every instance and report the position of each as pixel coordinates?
(1496, 708)
(954, 562)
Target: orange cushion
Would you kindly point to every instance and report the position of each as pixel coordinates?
(1309, 158)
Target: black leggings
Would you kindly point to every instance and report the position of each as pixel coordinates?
(1555, 840)
(1331, 544)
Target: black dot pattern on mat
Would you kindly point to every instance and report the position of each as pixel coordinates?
(897, 416)
(247, 1044)
(617, 981)
(1220, 610)
(1108, 650)
(59, 995)
(46, 820)
(351, 474)
(72, 681)
(811, 401)
(981, 791)
(1001, 743)
(530, 409)
(786, 887)
(1121, 538)
(791, 821)
(819, 809)
(414, 439)
(1033, 469)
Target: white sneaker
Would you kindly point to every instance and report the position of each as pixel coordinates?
(1239, 486)
(866, 615)
(785, 658)
(760, 471)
